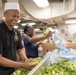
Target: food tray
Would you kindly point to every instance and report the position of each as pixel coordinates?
(45, 61)
(48, 60)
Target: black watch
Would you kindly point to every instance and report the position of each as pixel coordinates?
(24, 59)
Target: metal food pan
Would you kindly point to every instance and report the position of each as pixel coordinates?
(35, 70)
(48, 61)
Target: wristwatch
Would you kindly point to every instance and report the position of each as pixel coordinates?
(24, 59)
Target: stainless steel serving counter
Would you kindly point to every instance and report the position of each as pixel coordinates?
(48, 60)
(35, 70)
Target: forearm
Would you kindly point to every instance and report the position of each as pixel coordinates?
(22, 54)
(9, 63)
(40, 38)
(37, 39)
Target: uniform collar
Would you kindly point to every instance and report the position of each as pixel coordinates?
(6, 28)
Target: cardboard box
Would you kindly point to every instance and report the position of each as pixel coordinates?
(71, 45)
(48, 47)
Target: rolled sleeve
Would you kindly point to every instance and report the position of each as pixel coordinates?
(26, 39)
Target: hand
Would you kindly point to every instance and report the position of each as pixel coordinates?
(49, 34)
(27, 65)
(30, 59)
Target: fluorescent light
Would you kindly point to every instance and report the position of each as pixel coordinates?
(23, 24)
(41, 3)
(30, 24)
(37, 29)
(70, 21)
(16, 27)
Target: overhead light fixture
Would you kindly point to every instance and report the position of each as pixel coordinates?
(23, 24)
(16, 27)
(37, 29)
(70, 21)
(41, 3)
(31, 24)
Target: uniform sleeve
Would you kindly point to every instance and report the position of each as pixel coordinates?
(26, 39)
(1, 45)
(20, 44)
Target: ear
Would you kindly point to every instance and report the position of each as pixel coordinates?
(5, 14)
